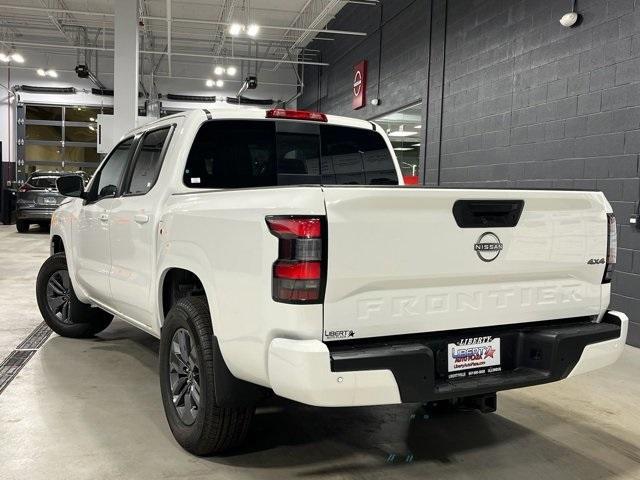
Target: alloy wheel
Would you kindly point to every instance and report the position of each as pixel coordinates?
(59, 295)
(184, 376)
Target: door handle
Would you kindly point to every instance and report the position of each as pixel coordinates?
(103, 217)
(141, 218)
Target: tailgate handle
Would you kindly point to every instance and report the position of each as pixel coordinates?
(487, 213)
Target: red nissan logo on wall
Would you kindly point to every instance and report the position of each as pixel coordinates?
(359, 85)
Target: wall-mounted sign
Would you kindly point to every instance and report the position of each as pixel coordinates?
(359, 85)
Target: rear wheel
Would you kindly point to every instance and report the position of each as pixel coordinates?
(22, 226)
(59, 306)
(186, 378)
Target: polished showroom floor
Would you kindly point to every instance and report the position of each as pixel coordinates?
(91, 409)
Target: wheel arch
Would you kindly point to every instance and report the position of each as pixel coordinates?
(57, 244)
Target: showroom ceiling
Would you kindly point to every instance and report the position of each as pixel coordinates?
(178, 38)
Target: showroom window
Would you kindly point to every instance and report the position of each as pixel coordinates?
(404, 130)
(61, 138)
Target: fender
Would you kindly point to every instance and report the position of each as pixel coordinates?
(230, 390)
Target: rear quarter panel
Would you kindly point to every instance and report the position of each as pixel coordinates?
(222, 237)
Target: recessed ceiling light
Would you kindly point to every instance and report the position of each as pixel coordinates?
(92, 128)
(41, 72)
(209, 83)
(402, 149)
(52, 73)
(219, 83)
(415, 144)
(91, 119)
(235, 28)
(218, 70)
(401, 132)
(4, 57)
(418, 127)
(16, 57)
(232, 70)
(253, 29)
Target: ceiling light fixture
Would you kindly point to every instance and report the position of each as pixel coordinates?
(402, 149)
(401, 132)
(4, 57)
(219, 83)
(253, 29)
(232, 70)
(16, 57)
(235, 28)
(209, 83)
(50, 72)
(218, 70)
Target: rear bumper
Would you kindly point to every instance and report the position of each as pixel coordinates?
(35, 214)
(404, 370)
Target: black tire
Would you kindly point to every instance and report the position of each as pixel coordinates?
(77, 319)
(22, 226)
(214, 429)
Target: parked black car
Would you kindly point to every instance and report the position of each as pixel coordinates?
(37, 199)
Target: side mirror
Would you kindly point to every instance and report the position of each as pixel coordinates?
(108, 191)
(71, 186)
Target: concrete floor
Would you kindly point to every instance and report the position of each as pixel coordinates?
(91, 409)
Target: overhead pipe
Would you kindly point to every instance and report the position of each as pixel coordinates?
(181, 20)
(180, 54)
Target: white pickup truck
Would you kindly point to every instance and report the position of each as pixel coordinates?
(278, 251)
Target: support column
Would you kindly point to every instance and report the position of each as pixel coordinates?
(125, 68)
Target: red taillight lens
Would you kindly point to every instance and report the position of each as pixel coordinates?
(296, 115)
(25, 188)
(298, 272)
(295, 227)
(612, 247)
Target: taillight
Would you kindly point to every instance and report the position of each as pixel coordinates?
(612, 247)
(296, 115)
(25, 188)
(299, 270)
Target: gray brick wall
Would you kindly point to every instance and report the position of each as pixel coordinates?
(514, 99)
(528, 103)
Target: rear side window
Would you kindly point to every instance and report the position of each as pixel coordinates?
(148, 161)
(43, 182)
(264, 153)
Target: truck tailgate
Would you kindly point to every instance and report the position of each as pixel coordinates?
(399, 263)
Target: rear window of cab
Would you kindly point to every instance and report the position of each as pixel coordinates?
(264, 153)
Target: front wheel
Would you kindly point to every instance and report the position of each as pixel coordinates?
(22, 226)
(59, 306)
(187, 383)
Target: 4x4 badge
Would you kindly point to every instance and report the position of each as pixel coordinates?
(488, 247)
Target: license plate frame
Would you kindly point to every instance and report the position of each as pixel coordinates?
(472, 356)
(49, 200)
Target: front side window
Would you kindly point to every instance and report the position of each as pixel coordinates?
(148, 161)
(265, 153)
(106, 181)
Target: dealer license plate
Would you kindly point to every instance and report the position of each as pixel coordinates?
(473, 356)
(49, 200)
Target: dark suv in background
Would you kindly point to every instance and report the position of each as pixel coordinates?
(37, 199)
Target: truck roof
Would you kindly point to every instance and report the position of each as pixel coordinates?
(247, 113)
